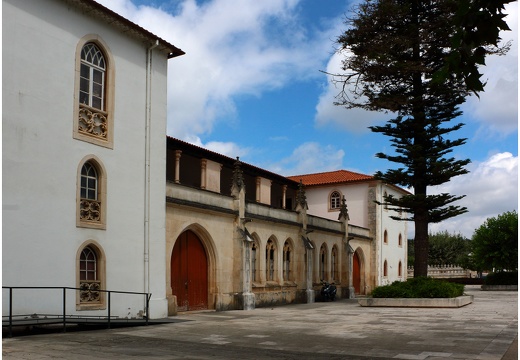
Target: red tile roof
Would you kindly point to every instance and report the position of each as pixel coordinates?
(332, 177)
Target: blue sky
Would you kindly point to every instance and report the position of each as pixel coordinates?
(251, 85)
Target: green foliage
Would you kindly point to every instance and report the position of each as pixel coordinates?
(448, 249)
(419, 287)
(495, 243)
(502, 278)
(477, 34)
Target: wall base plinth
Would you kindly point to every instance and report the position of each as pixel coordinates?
(248, 301)
(310, 296)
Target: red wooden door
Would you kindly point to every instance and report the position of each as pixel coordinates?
(356, 273)
(189, 273)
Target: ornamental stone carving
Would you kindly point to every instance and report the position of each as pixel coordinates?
(89, 210)
(92, 122)
(89, 291)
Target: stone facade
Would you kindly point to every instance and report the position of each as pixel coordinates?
(261, 252)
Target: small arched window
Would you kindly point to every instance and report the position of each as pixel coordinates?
(90, 277)
(400, 240)
(92, 77)
(334, 263)
(91, 194)
(287, 261)
(385, 237)
(88, 265)
(385, 269)
(335, 200)
(400, 269)
(323, 262)
(269, 260)
(94, 98)
(89, 182)
(254, 248)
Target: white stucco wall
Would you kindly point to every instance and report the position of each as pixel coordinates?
(41, 158)
(355, 195)
(391, 251)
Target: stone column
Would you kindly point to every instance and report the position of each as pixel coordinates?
(177, 165)
(284, 196)
(246, 298)
(203, 166)
(301, 209)
(344, 218)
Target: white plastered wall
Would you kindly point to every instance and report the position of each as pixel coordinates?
(40, 161)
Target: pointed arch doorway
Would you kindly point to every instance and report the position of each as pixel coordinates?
(356, 273)
(189, 272)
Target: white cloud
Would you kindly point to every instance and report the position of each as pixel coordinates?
(497, 109)
(356, 120)
(232, 48)
(491, 188)
(229, 149)
(308, 158)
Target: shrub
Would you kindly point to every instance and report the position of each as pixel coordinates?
(502, 278)
(420, 287)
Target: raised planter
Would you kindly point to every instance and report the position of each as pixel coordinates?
(417, 302)
(499, 287)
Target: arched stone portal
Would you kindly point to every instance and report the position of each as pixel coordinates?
(189, 272)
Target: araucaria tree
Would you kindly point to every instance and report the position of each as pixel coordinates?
(395, 61)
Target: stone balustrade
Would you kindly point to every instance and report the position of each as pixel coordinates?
(444, 272)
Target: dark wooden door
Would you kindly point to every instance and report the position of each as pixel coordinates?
(356, 273)
(189, 273)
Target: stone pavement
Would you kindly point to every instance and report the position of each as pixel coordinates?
(485, 329)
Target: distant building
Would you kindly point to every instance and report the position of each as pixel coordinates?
(381, 260)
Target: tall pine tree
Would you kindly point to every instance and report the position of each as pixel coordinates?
(396, 53)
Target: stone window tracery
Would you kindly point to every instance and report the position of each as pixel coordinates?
(254, 249)
(270, 260)
(334, 263)
(287, 253)
(323, 262)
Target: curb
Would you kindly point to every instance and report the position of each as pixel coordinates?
(418, 303)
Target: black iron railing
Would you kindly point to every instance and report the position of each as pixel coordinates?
(64, 303)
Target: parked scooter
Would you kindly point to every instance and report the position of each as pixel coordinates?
(328, 291)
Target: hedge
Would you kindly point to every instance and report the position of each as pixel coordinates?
(420, 287)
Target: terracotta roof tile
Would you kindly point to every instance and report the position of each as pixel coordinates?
(331, 177)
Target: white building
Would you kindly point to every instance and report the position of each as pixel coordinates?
(84, 122)
(388, 251)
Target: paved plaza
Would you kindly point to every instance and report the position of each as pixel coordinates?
(486, 329)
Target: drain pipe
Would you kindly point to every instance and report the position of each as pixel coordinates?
(148, 116)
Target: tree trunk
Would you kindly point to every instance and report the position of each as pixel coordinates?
(420, 266)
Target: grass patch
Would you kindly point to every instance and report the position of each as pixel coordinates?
(420, 287)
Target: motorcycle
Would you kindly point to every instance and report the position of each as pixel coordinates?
(328, 291)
